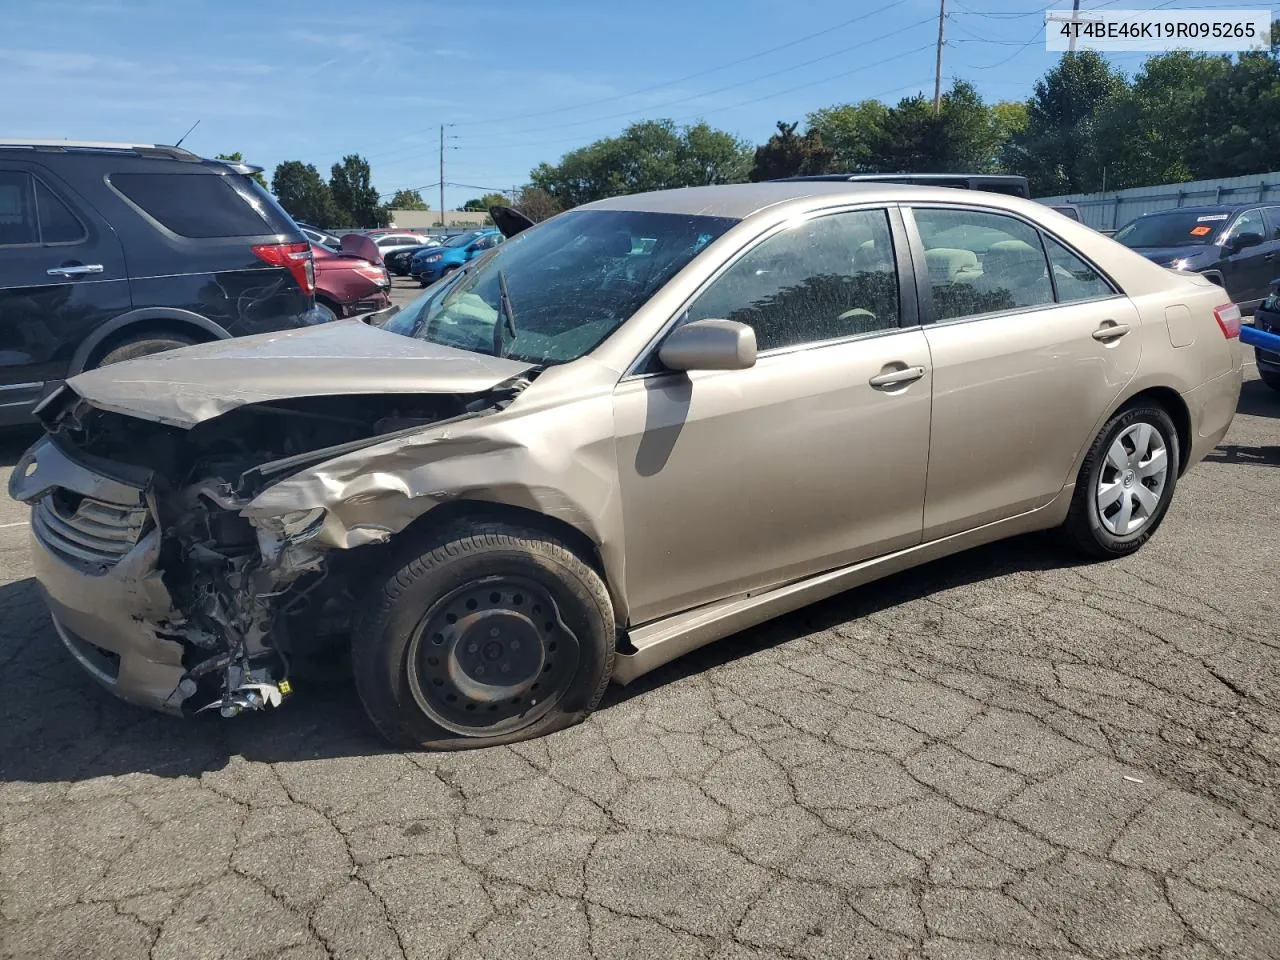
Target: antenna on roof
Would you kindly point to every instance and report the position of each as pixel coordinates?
(187, 134)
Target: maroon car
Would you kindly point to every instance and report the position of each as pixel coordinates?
(352, 280)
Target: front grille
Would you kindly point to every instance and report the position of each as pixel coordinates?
(87, 529)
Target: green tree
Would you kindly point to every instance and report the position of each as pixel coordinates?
(536, 204)
(852, 131)
(963, 136)
(354, 197)
(788, 154)
(1057, 151)
(1151, 132)
(1240, 116)
(304, 194)
(408, 200)
(238, 157)
(482, 204)
(650, 155)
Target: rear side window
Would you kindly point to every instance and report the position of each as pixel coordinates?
(982, 262)
(57, 223)
(30, 213)
(198, 206)
(1074, 279)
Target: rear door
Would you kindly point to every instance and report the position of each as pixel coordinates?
(62, 274)
(1030, 346)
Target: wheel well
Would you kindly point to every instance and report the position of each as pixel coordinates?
(142, 329)
(330, 303)
(436, 519)
(1172, 404)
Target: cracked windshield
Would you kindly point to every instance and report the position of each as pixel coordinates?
(552, 294)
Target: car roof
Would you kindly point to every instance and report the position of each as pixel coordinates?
(741, 200)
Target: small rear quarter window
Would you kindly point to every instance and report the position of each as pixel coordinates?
(194, 205)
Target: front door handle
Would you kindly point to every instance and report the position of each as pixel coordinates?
(1110, 331)
(75, 270)
(897, 378)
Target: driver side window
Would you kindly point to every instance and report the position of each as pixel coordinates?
(822, 279)
(1248, 222)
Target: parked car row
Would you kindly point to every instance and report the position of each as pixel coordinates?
(430, 264)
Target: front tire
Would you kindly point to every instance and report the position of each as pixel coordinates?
(492, 635)
(1125, 484)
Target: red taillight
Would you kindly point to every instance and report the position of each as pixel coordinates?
(1228, 317)
(295, 257)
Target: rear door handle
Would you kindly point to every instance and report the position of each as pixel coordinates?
(1112, 331)
(897, 378)
(77, 270)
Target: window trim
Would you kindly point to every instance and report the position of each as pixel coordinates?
(924, 289)
(907, 290)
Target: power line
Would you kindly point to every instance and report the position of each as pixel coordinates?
(668, 83)
(733, 86)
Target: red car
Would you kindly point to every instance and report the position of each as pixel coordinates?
(352, 280)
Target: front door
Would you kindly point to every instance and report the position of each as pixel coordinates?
(62, 273)
(1247, 273)
(734, 481)
(1030, 346)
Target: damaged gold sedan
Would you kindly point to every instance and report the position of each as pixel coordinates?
(634, 429)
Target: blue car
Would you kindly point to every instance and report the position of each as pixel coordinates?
(430, 265)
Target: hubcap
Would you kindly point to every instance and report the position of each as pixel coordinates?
(1133, 478)
(491, 656)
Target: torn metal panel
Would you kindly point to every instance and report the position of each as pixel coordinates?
(190, 386)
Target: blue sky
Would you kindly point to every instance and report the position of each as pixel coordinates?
(521, 82)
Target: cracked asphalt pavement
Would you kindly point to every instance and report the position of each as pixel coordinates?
(1004, 754)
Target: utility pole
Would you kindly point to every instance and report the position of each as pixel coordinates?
(442, 175)
(937, 74)
(1075, 15)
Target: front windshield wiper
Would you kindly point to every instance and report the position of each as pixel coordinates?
(506, 323)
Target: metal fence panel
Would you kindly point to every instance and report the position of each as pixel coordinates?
(1114, 208)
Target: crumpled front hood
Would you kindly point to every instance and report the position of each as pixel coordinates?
(188, 386)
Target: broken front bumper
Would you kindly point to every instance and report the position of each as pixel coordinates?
(95, 547)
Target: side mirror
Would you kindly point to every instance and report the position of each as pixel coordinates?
(709, 345)
(1242, 241)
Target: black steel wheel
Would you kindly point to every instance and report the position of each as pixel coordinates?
(491, 656)
(492, 634)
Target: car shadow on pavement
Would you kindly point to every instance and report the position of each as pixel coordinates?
(14, 442)
(58, 726)
(1258, 400)
(1036, 551)
(1268, 456)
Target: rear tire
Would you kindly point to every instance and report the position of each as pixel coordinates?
(1270, 378)
(1125, 484)
(142, 346)
(492, 634)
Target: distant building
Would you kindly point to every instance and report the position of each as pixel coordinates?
(421, 219)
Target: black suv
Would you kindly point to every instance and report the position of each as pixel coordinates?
(1234, 245)
(111, 251)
